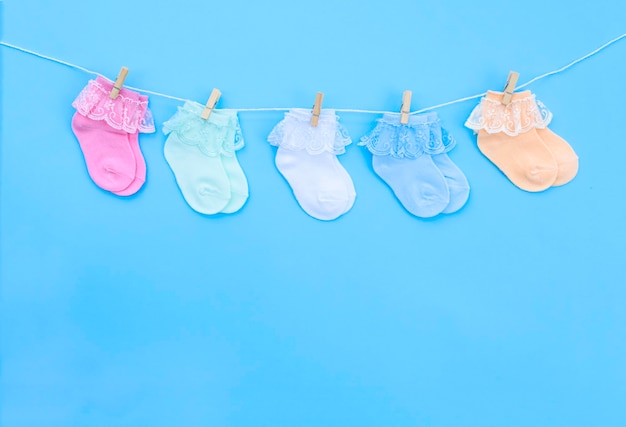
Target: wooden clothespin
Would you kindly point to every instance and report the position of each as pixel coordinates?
(509, 88)
(405, 109)
(119, 82)
(210, 105)
(317, 109)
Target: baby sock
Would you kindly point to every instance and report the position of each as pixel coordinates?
(402, 158)
(564, 155)
(140, 162)
(105, 127)
(140, 168)
(455, 179)
(508, 137)
(566, 158)
(417, 183)
(236, 176)
(307, 159)
(197, 151)
(107, 153)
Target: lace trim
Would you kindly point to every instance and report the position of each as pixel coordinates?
(295, 132)
(520, 116)
(219, 135)
(130, 114)
(408, 141)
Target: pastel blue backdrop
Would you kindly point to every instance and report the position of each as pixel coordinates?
(141, 312)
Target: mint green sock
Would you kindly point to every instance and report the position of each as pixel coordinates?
(202, 179)
(201, 153)
(236, 177)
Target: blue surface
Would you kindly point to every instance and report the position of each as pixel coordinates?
(140, 312)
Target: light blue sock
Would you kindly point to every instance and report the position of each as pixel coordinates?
(457, 183)
(402, 157)
(417, 183)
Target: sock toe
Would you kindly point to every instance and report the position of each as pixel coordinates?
(567, 171)
(133, 188)
(458, 197)
(236, 202)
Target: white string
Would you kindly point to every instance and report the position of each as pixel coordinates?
(342, 110)
(571, 64)
(86, 70)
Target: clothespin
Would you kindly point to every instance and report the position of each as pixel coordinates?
(405, 109)
(119, 82)
(210, 105)
(317, 109)
(511, 81)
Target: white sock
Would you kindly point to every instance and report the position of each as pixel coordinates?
(307, 159)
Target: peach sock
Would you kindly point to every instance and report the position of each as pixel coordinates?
(563, 153)
(509, 138)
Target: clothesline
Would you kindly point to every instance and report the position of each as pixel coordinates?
(342, 110)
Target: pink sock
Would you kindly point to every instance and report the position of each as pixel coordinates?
(140, 168)
(107, 131)
(109, 158)
(140, 163)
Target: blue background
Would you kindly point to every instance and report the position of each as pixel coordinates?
(141, 312)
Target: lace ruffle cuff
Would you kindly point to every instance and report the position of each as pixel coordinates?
(422, 135)
(524, 113)
(220, 134)
(295, 132)
(128, 112)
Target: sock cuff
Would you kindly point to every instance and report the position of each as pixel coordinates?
(295, 132)
(128, 112)
(219, 135)
(422, 135)
(524, 113)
